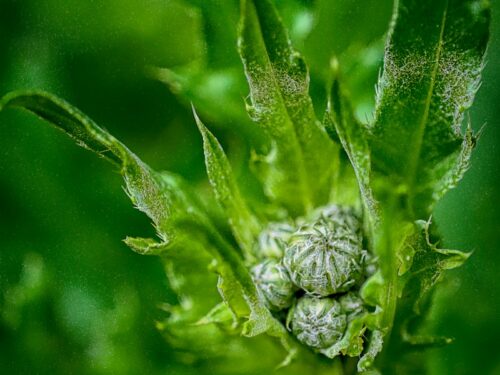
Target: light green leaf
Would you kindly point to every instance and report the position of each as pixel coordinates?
(155, 194)
(366, 362)
(351, 343)
(432, 67)
(220, 314)
(163, 197)
(293, 172)
(186, 252)
(340, 122)
(429, 262)
(243, 223)
(146, 246)
(416, 285)
(186, 269)
(237, 287)
(371, 292)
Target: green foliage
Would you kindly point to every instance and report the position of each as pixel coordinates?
(179, 222)
(243, 223)
(404, 160)
(280, 103)
(431, 74)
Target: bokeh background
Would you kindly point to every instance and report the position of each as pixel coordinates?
(73, 298)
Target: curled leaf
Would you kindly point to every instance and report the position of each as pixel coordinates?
(153, 193)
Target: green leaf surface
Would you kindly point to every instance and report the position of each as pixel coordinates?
(341, 122)
(243, 223)
(432, 66)
(425, 264)
(164, 198)
(220, 314)
(155, 194)
(376, 342)
(351, 343)
(429, 263)
(237, 287)
(293, 172)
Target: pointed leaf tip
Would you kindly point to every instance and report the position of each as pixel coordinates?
(244, 224)
(156, 194)
(431, 73)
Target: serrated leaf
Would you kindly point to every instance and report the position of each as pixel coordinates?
(162, 196)
(243, 223)
(429, 263)
(155, 194)
(455, 174)
(432, 67)
(237, 287)
(294, 173)
(413, 265)
(416, 287)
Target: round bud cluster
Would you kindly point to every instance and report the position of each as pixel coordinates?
(313, 268)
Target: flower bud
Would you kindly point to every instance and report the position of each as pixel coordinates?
(317, 322)
(274, 284)
(352, 305)
(326, 257)
(272, 240)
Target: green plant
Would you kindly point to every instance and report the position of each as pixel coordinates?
(403, 161)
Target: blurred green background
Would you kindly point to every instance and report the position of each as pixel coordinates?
(73, 297)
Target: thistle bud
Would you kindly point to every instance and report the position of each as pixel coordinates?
(317, 322)
(352, 305)
(326, 257)
(272, 240)
(274, 284)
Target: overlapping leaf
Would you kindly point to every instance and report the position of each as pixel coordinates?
(428, 262)
(189, 240)
(294, 173)
(243, 223)
(341, 123)
(432, 67)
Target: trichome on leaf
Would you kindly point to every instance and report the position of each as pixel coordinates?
(325, 277)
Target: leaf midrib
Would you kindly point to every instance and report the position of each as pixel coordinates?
(303, 175)
(415, 155)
